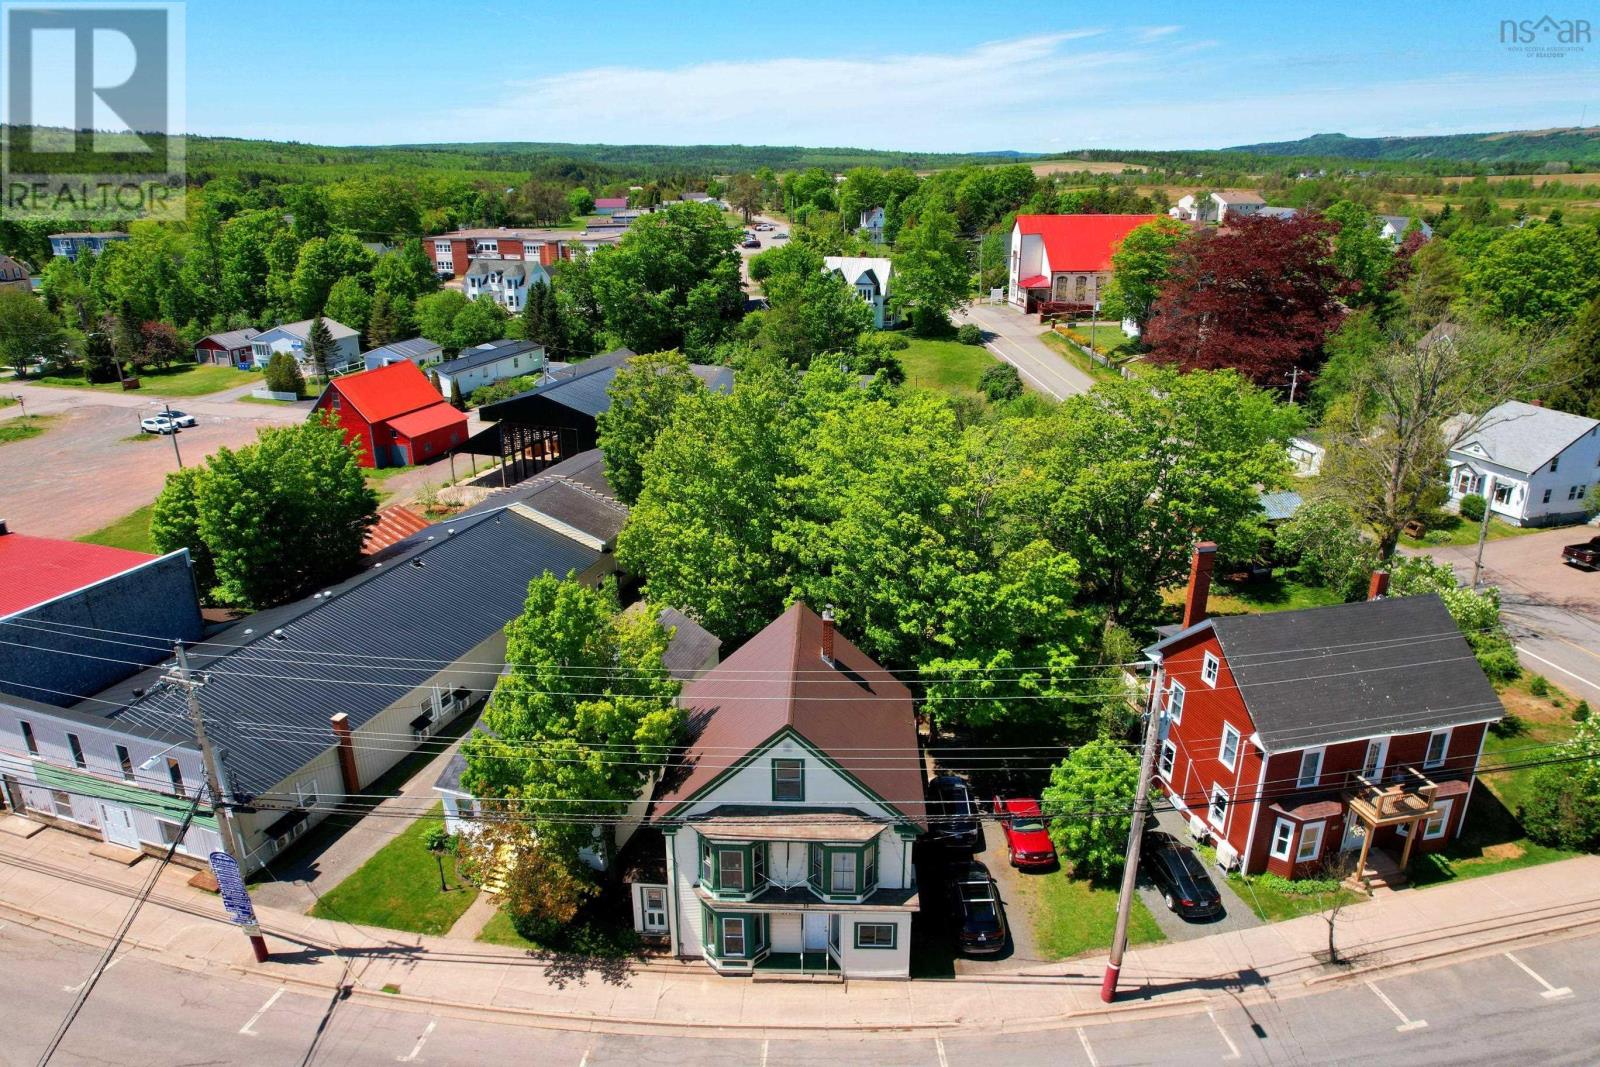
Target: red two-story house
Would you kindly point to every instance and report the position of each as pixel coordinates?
(393, 414)
(1292, 737)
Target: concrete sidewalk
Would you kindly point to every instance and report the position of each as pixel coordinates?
(51, 882)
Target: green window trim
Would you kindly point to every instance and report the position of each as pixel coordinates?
(789, 764)
(894, 935)
(752, 864)
(819, 865)
(714, 929)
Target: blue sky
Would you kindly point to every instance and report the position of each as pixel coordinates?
(935, 75)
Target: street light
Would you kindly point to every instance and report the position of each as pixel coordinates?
(150, 764)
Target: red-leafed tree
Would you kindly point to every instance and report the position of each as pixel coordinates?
(1258, 296)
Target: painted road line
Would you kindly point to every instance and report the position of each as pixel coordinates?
(1406, 1024)
(80, 985)
(1233, 1050)
(249, 1027)
(417, 1050)
(938, 1044)
(584, 1062)
(1088, 1050)
(764, 1044)
(1550, 991)
(1559, 667)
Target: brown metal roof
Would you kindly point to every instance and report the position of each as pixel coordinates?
(854, 712)
(743, 822)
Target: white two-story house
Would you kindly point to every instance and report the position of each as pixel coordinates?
(788, 819)
(869, 277)
(1534, 465)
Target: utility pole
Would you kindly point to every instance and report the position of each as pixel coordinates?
(174, 435)
(225, 826)
(1130, 867)
(1483, 529)
(1294, 382)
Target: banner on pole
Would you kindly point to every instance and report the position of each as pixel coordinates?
(230, 883)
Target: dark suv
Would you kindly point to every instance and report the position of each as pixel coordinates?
(979, 915)
(952, 813)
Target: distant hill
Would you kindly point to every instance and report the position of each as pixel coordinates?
(719, 158)
(1564, 145)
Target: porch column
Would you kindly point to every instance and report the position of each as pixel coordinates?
(1366, 846)
(1411, 836)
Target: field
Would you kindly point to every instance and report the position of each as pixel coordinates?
(948, 366)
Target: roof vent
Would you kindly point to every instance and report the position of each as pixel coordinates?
(139, 692)
(279, 635)
(248, 631)
(419, 564)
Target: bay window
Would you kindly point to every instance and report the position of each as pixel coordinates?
(843, 870)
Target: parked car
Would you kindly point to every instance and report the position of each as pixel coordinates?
(750, 242)
(780, 237)
(1585, 555)
(1026, 839)
(179, 418)
(157, 424)
(953, 816)
(979, 914)
(764, 226)
(1179, 877)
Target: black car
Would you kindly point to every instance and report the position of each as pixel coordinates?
(1180, 877)
(952, 813)
(979, 915)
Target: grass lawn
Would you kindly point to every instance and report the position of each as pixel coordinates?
(398, 888)
(948, 366)
(132, 531)
(7, 401)
(499, 931)
(1275, 905)
(1075, 356)
(248, 399)
(24, 426)
(1073, 916)
(183, 379)
(1461, 532)
(1276, 593)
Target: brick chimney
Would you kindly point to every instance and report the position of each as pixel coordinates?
(1379, 586)
(347, 753)
(827, 635)
(1194, 604)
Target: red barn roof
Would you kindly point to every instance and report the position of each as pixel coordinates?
(1080, 242)
(387, 391)
(36, 569)
(426, 420)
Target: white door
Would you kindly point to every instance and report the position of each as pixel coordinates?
(1354, 831)
(1377, 753)
(655, 910)
(117, 822)
(814, 932)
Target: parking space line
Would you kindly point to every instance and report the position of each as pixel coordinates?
(584, 1062)
(1233, 1050)
(1406, 1025)
(248, 1028)
(1088, 1050)
(938, 1044)
(80, 985)
(764, 1044)
(1550, 991)
(418, 1048)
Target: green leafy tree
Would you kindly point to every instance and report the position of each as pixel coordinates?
(931, 272)
(319, 347)
(1578, 375)
(812, 312)
(1140, 265)
(1322, 544)
(99, 360)
(321, 263)
(175, 524)
(283, 374)
(1537, 274)
(1000, 382)
(644, 394)
(1562, 809)
(480, 322)
(349, 303)
(278, 517)
(541, 321)
(1089, 805)
(405, 274)
(28, 331)
(579, 201)
(436, 315)
(1363, 255)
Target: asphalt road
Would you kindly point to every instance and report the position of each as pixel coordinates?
(1014, 337)
(1536, 1004)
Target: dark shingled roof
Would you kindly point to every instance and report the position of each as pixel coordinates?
(583, 387)
(856, 713)
(268, 702)
(1324, 675)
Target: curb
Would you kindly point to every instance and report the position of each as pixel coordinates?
(1490, 945)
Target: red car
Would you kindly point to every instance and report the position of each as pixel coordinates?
(1026, 838)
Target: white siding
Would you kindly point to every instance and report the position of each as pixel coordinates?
(876, 962)
(685, 870)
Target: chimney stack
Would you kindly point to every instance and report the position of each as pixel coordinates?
(1194, 604)
(1378, 588)
(827, 635)
(347, 753)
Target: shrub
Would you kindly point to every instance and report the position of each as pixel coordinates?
(1436, 537)
(283, 375)
(1581, 712)
(1299, 886)
(1323, 546)
(1539, 686)
(1497, 656)
(1563, 807)
(1100, 776)
(969, 334)
(1472, 507)
(894, 342)
(1001, 382)
(1510, 726)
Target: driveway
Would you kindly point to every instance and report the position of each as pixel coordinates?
(92, 466)
(1551, 610)
(1237, 915)
(1015, 338)
(1022, 950)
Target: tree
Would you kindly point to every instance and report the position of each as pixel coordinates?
(99, 360)
(436, 315)
(931, 273)
(383, 320)
(540, 321)
(1389, 437)
(1475, 611)
(349, 303)
(455, 394)
(28, 332)
(278, 517)
(1322, 545)
(1563, 805)
(405, 274)
(162, 345)
(1258, 297)
(1126, 478)
(1361, 253)
(579, 201)
(1089, 805)
(812, 312)
(127, 340)
(1000, 382)
(480, 322)
(283, 375)
(1578, 377)
(554, 751)
(1140, 265)
(746, 195)
(319, 347)
(1538, 274)
(322, 261)
(175, 523)
(644, 394)
(439, 842)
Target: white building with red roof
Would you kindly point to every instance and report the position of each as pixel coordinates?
(1065, 258)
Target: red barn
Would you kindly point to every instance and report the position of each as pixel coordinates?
(1294, 736)
(395, 414)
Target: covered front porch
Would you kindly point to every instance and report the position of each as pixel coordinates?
(1403, 805)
